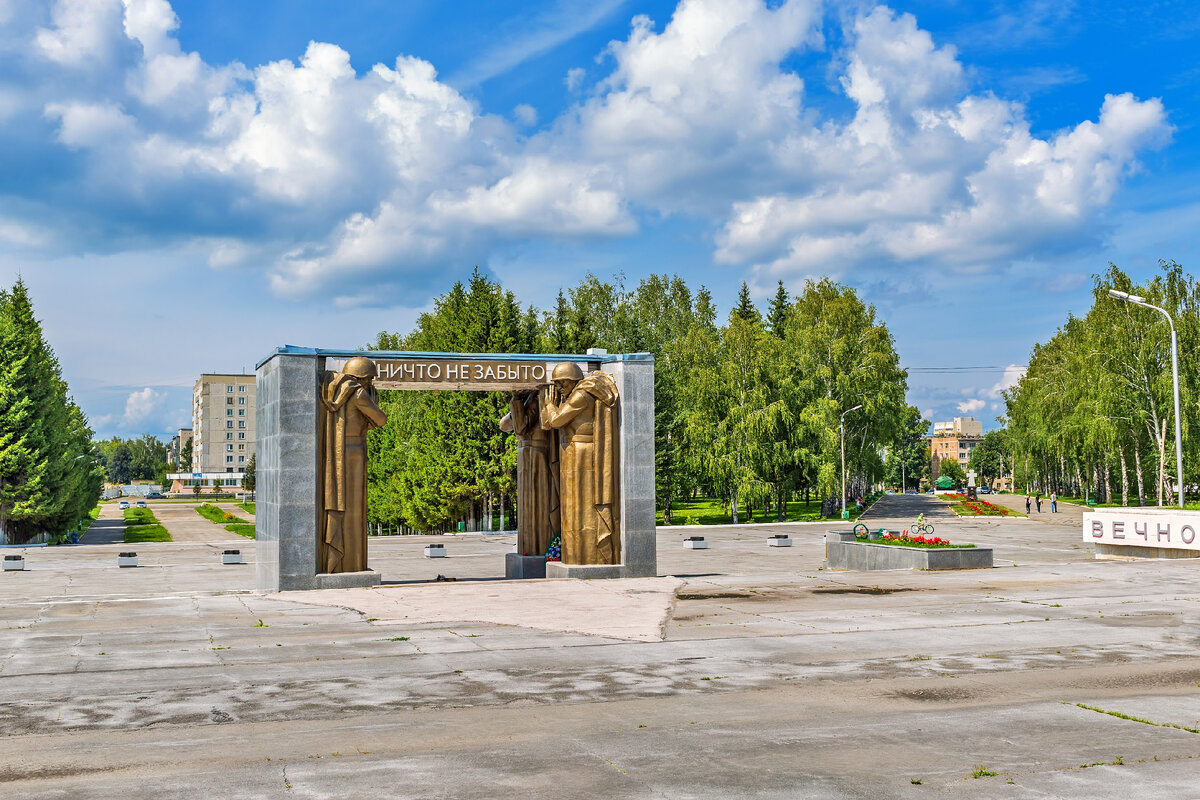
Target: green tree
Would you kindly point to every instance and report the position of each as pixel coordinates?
(950, 468)
(185, 457)
(249, 478)
(147, 457)
(745, 309)
(990, 458)
(45, 444)
(838, 355)
(908, 457)
(120, 464)
(777, 317)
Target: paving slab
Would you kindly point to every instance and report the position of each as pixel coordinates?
(766, 675)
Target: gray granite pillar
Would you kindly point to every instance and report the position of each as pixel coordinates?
(634, 376)
(286, 522)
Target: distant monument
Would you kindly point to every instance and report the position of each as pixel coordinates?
(585, 431)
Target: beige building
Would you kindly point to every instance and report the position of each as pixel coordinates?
(223, 413)
(957, 440)
(175, 449)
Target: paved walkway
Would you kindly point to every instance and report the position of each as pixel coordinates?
(1068, 514)
(902, 509)
(775, 677)
(185, 525)
(109, 527)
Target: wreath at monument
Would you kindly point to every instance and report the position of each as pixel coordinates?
(554, 551)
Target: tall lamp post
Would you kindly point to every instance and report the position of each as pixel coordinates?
(1141, 301)
(842, 431)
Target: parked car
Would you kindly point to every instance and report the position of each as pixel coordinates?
(911, 491)
(124, 504)
(140, 503)
(984, 490)
(156, 496)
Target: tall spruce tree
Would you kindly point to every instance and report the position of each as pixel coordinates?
(45, 444)
(745, 309)
(777, 317)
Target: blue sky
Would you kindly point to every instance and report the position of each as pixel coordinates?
(186, 186)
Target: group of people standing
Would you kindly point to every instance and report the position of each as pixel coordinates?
(1037, 497)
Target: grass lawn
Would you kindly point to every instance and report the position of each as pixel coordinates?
(708, 511)
(142, 526)
(214, 514)
(248, 506)
(232, 523)
(146, 533)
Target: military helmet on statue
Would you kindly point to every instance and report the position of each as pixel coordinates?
(361, 367)
(567, 371)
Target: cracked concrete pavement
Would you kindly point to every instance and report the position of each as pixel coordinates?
(774, 678)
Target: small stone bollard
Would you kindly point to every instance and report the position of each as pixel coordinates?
(127, 559)
(695, 543)
(14, 563)
(232, 557)
(779, 540)
(435, 551)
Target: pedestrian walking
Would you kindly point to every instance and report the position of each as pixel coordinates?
(1038, 498)
(1026, 503)
(1054, 502)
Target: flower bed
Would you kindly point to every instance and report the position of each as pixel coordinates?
(904, 539)
(981, 508)
(843, 550)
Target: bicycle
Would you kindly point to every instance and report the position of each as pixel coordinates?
(920, 528)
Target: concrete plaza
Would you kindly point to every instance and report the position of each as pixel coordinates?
(743, 671)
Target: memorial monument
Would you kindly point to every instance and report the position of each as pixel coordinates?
(538, 519)
(584, 412)
(349, 408)
(585, 431)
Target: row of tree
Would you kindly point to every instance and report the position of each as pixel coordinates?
(126, 460)
(1094, 413)
(747, 411)
(50, 477)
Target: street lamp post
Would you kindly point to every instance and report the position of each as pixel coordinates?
(1141, 301)
(842, 431)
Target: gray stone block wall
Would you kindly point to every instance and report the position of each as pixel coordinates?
(635, 386)
(287, 473)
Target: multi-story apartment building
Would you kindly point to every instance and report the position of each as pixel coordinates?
(957, 440)
(175, 449)
(223, 409)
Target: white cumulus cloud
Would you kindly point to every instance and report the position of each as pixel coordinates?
(140, 405)
(369, 187)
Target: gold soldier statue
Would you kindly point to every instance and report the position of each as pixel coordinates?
(584, 412)
(349, 408)
(537, 474)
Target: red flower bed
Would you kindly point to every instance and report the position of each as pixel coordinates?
(906, 539)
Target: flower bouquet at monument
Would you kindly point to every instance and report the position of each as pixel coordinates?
(554, 551)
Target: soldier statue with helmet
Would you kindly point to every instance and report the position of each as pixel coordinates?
(583, 410)
(349, 408)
